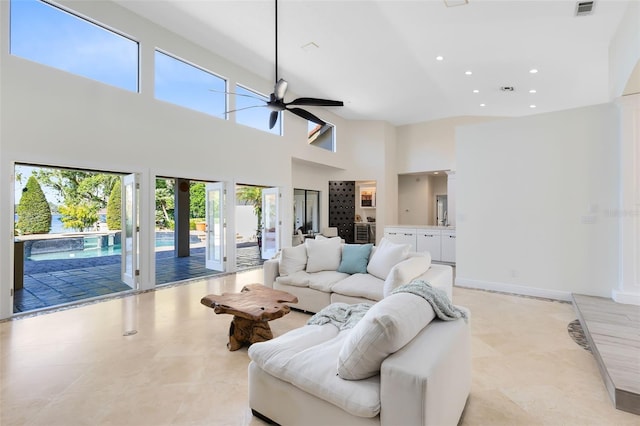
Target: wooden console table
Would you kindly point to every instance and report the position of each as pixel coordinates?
(252, 309)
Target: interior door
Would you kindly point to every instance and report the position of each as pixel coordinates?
(130, 225)
(214, 252)
(270, 224)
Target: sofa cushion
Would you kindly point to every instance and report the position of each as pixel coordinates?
(355, 258)
(312, 368)
(360, 285)
(297, 279)
(293, 259)
(405, 271)
(323, 255)
(273, 355)
(386, 256)
(324, 280)
(386, 327)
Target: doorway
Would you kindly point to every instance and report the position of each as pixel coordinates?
(67, 236)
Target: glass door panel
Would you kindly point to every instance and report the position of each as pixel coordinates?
(130, 231)
(270, 225)
(214, 252)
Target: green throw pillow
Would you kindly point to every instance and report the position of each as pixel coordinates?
(355, 258)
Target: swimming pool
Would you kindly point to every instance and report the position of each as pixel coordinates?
(92, 248)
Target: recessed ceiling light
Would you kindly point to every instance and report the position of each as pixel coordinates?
(533, 71)
(468, 72)
(435, 173)
(483, 105)
(439, 58)
(532, 91)
(476, 91)
(532, 106)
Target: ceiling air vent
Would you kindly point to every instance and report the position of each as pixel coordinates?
(584, 8)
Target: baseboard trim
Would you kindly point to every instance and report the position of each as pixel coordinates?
(625, 297)
(514, 289)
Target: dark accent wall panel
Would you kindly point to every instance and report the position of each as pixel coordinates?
(342, 208)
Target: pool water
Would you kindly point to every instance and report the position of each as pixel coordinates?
(91, 249)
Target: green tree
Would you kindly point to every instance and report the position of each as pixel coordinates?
(114, 207)
(197, 201)
(34, 214)
(252, 195)
(165, 203)
(80, 218)
(82, 193)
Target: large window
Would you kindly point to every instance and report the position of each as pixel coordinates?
(51, 36)
(251, 110)
(322, 136)
(189, 86)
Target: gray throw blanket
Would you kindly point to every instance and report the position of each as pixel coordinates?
(342, 315)
(437, 298)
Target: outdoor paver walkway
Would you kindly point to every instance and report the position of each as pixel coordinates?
(55, 282)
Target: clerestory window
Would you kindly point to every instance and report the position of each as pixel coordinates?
(322, 136)
(189, 86)
(58, 38)
(251, 111)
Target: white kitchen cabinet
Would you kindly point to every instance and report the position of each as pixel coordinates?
(448, 245)
(429, 240)
(440, 243)
(401, 236)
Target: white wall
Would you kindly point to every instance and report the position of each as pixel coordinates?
(51, 117)
(532, 196)
(430, 146)
(624, 51)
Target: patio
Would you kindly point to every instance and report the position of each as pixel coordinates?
(50, 283)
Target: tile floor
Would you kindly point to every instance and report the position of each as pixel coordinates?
(80, 367)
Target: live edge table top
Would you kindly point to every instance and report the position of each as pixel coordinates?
(254, 302)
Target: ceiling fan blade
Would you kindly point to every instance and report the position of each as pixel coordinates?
(272, 119)
(280, 89)
(238, 94)
(315, 102)
(242, 109)
(306, 115)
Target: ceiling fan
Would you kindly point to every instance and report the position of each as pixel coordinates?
(276, 102)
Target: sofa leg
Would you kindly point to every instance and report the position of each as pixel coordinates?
(263, 417)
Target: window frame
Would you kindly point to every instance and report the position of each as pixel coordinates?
(92, 21)
(225, 115)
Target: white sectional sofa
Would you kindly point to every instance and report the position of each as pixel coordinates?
(324, 271)
(397, 366)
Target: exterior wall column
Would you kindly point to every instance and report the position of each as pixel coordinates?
(628, 288)
(181, 216)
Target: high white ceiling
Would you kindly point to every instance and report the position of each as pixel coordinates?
(379, 57)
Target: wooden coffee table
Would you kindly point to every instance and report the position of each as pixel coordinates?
(252, 309)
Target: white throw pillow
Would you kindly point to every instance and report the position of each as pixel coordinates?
(385, 257)
(386, 327)
(323, 255)
(292, 260)
(406, 271)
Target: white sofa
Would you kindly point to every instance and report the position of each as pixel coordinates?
(415, 370)
(311, 272)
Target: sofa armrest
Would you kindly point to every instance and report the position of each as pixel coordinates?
(428, 381)
(440, 276)
(271, 270)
